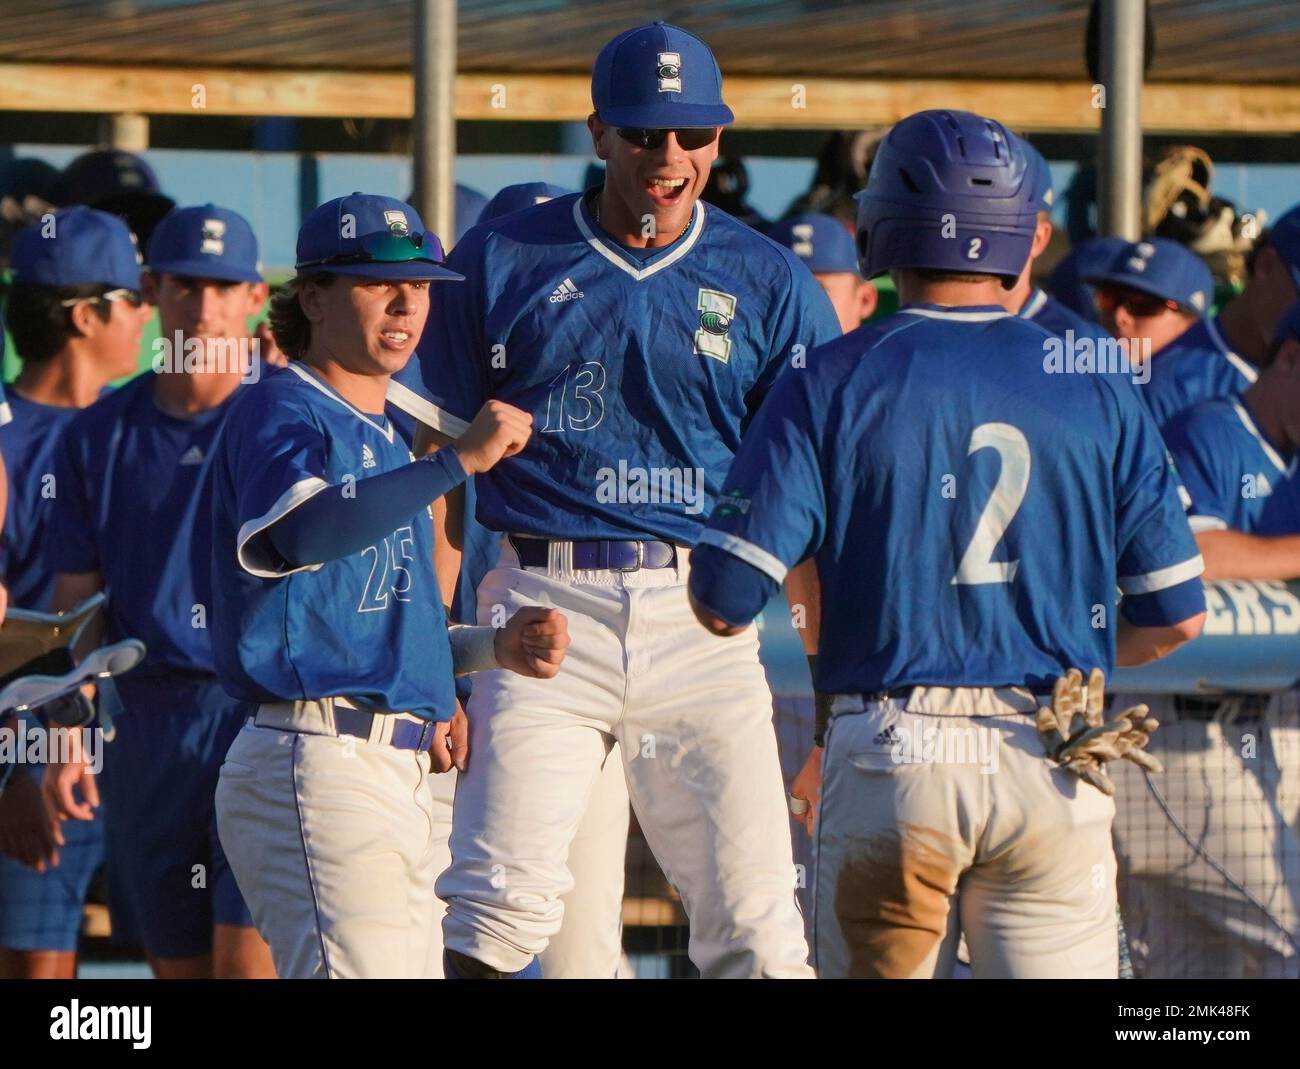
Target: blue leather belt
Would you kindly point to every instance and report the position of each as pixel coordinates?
(599, 554)
(407, 735)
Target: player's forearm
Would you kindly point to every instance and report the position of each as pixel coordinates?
(71, 589)
(1136, 645)
(1237, 555)
(803, 590)
(341, 521)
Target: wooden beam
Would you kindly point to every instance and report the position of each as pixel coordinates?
(786, 102)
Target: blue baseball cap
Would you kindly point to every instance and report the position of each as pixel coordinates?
(1163, 268)
(1039, 185)
(658, 77)
(1284, 235)
(1066, 282)
(205, 242)
(76, 247)
(108, 173)
(822, 242)
(370, 235)
(522, 195)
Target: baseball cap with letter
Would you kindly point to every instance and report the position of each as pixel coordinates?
(373, 236)
(205, 242)
(76, 247)
(658, 77)
(1162, 268)
(821, 241)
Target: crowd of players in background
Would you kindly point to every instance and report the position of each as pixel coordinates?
(1221, 376)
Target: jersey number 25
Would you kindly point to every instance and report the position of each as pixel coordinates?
(388, 558)
(977, 563)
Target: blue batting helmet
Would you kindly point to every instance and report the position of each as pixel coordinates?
(948, 192)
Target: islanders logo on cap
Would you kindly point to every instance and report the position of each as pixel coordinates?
(670, 72)
(213, 237)
(397, 223)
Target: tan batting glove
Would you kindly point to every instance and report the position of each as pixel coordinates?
(1079, 739)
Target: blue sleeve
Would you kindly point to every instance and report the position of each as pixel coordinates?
(454, 353)
(1200, 467)
(772, 512)
(729, 587)
(1155, 551)
(806, 320)
(275, 454)
(70, 545)
(337, 524)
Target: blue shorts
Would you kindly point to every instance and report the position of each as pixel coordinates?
(43, 911)
(160, 781)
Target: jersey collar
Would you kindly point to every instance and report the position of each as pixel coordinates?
(974, 314)
(1246, 369)
(611, 250)
(1031, 308)
(312, 379)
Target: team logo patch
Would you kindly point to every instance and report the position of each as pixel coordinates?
(731, 504)
(670, 72)
(213, 237)
(397, 223)
(717, 310)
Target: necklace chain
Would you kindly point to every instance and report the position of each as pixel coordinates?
(596, 213)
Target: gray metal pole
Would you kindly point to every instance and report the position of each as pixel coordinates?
(1119, 199)
(433, 141)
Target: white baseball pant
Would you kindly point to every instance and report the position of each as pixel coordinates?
(692, 716)
(335, 846)
(1209, 849)
(934, 824)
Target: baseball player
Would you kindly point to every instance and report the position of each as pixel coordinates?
(1066, 282)
(120, 183)
(1220, 356)
(826, 247)
(1203, 894)
(76, 314)
(1151, 292)
(131, 515)
(1024, 298)
(641, 329)
(327, 616)
(966, 561)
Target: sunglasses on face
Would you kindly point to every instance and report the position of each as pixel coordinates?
(131, 297)
(690, 139)
(1139, 304)
(388, 249)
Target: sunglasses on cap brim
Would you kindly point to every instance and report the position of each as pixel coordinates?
(131, 297)
(388, 249)
(690, 139)
(1142, 305)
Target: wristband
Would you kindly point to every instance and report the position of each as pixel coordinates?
(821, 706)
(473, 649)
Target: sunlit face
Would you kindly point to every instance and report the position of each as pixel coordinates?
(367, 326)
(1140, 317)
(116, 342)
(656, 187)
(204, 307)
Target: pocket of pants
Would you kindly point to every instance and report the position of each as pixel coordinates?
(880, 739)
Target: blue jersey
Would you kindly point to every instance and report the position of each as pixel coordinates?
(1236, 477)
(132, 504)
(369, 626)
(971, 515)
(640, 369)
(1196, 366)
(1057, 318)
(27, 444)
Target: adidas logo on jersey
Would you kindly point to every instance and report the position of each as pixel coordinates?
(367, 456)
(566, 291)
(193, 455)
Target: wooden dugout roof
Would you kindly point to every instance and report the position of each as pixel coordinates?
(1221, 65)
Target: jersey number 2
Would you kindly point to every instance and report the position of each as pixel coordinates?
(977, 563)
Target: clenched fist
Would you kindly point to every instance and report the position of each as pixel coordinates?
(498, 431)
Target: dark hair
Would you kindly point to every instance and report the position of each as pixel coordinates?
(930, 274)
(290, 326)
(40, 323)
